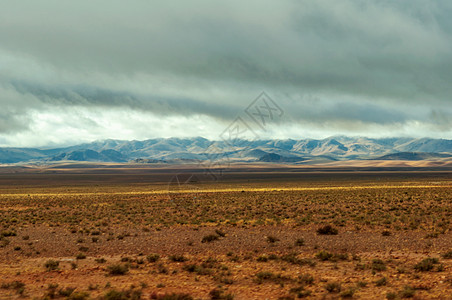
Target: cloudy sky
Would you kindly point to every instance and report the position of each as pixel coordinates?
(77, 71)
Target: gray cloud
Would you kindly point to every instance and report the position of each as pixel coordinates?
(345, 63)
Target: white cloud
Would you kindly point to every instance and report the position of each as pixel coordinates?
(75, 72)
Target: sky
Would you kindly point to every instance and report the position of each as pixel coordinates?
(79, 71)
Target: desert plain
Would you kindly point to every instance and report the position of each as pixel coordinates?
(120, 232)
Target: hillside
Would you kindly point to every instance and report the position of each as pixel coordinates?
(200, 149)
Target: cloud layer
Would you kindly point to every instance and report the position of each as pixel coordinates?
(72, 72)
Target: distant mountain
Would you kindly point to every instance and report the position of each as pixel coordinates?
(414, 156)
(108, 155)
(185, 150)
(273, 157)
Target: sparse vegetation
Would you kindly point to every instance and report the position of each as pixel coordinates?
(378, 265)
(382, 281)
(299, 242)
(407, 292)
(51, 265)
(171, 296)
(447, 255)
(273, 236)
(333, 287)
(118, 269)
(152, 258)
(324, 255)
(271, 239)
(219, 294)
(327, 230)
(426, 264)
(178, 258)
(209, 238)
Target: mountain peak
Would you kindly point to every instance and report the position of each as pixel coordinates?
(199, 148)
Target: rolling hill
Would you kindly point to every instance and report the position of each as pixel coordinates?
(172, 150)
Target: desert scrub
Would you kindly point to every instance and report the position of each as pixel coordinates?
(79, 296)
(114, 295)
(220, 294)
(51, 265)
(200, 270)
(293, 259)
(378, 265)
(361, 284)
(324, 255)
(299, 242)
(327, 230)
(83, 249)
(447, 255)
(262, 258)
(220, 233)
(81, 256)
(348, 293)
(381, 282)
(300, 291)
(4, 241)
(18, 286)
(152, 258)
(333, 287)
(12, 285)
(118, 269)
(272, 239)
(391, 296)
(407, 292)
(66, 292)
(306, 279)
(269, 276)
(173, 296)
(9, 233)
(426, 264)
(177, 258)
(130, 293)
(209, 238)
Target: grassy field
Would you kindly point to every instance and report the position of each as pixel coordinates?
(126, 235)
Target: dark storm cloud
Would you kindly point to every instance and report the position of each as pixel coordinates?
(380, 62)
(83, 95)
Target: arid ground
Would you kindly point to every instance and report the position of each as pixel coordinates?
(255, 233)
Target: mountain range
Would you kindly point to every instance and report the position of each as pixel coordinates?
(185, 150)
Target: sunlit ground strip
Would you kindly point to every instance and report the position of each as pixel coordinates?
(184, 189)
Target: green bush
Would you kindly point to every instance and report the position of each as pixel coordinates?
(209, 238)
(324, 255)
(80, 256)
(327, 230)
(382, 281)
(426, 264)
(172, 296)
(299, 242)
(51, 265)
(153, 258)
(219, 294)
(333, 287)
(118, 269)
(272, 239)
(378, 265)
(447, 255)
(178, 258)
(79, 296)
(407, 292)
